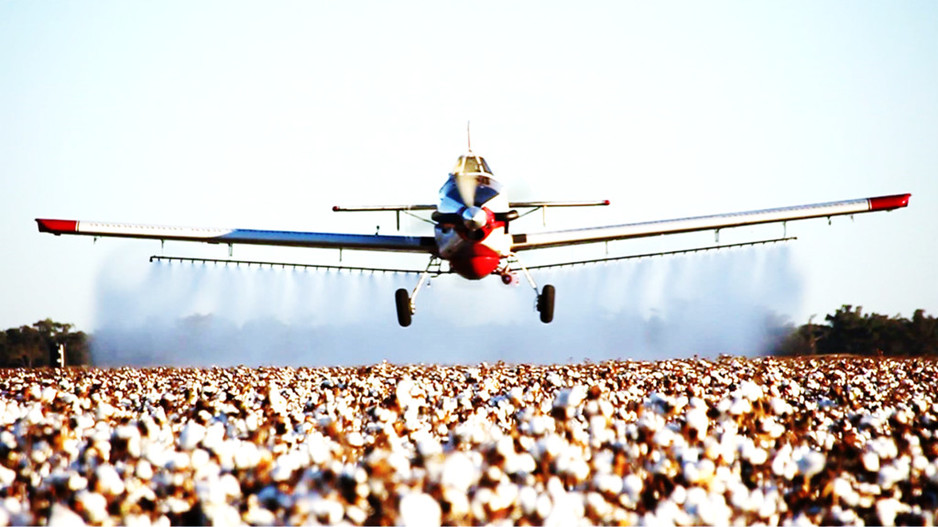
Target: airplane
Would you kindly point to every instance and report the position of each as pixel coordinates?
(471, 232)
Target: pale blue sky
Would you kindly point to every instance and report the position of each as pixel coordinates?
(264, 116)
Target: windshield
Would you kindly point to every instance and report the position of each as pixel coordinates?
(470, 164)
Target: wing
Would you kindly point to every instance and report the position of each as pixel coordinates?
(416, 244)
(544, 204)
(522, 242)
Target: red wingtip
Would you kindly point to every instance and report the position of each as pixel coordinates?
(889, 202)
(335, 208)
(605, 202)
(57, 226)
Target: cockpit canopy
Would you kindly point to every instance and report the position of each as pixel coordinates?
(470, 184)
(471, 164)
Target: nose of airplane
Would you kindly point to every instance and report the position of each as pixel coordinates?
(474, 218)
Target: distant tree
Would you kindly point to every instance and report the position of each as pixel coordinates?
(922, 333)
(802, 340)
(34, 345)
(849, 331)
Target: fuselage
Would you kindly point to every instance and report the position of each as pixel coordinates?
(471, 225)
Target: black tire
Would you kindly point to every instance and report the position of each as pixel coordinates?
(402, 300)
(545, 303)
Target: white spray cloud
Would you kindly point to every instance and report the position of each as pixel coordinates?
(203, 315)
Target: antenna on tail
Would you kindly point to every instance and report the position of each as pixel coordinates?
(468, 137)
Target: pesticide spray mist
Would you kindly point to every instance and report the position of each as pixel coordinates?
(203, 315)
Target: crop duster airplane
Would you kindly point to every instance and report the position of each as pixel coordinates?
(471, 232)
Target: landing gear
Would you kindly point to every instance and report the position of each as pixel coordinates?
(545, 303)
(407, 304)
(404, 313)
(545, 297)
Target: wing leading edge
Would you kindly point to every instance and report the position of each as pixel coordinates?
(417, 244)
(704, 223)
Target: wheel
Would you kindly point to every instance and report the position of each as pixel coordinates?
(402, 299)
(545, 303)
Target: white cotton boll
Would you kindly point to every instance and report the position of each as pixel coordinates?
(650, 421)
(740, 406)
(277, 402)
(600, 507)
(522, 463)
(60, 515)
(898, 470)
(516, 395)
(327, 510)
(480, 501)
(404, 393)
(844, 490)
(608, 483)
(769, 505)
(222, 514)
(698, 471)
(246, 455)
(214, 436)
(94, 506)
(697, 419)
(355, 439)
(782, 464)
(109, 481)
(884, 447)
(259, 516)
(200, 460)
(459, 472)
(130, 434)
(568, 509)
(283, 468)
(190, 435)
(570, 397)
(458, 502)
(319, 448)
(77, 482)
(505, 496)
(780, 406)
(527, 498)
(844, 517)
(541, 424)
(104, 411)
(664, 437)
(7, 476)
(356, 514)
(632, 487)
(870, 461)
(426, 444)
(48, 394)
(887, 510)
(751, 390)
(808, 461)
(754, 454)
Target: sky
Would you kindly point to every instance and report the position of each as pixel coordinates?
(231, 114)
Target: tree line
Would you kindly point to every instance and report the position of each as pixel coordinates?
(850, 331)
(40, 343)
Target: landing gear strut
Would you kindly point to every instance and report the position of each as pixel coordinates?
(545, 297)
(406, 304)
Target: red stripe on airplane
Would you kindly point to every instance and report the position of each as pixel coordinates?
(889, 202)
(57, 226)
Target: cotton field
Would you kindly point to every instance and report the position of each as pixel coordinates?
(828, 440)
